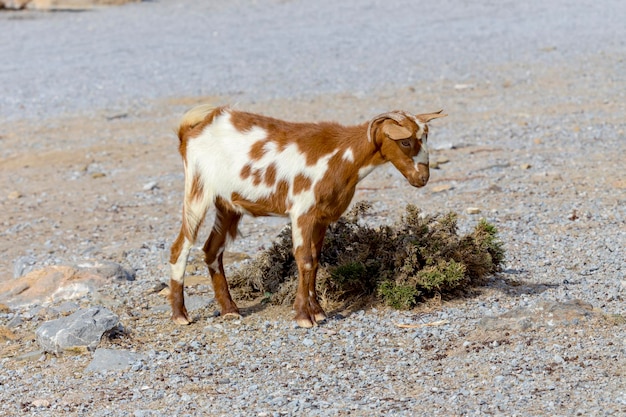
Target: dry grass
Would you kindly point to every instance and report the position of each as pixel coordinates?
(419, 258)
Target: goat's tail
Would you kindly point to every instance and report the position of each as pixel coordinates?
(192, 118)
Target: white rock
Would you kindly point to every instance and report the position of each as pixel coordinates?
(151, 186)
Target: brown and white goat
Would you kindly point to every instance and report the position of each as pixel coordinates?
(243, 163)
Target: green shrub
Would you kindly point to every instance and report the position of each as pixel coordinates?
(421, 256)
(400, 297)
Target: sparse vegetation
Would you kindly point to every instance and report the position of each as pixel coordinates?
(421, 256)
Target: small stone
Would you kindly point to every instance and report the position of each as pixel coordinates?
(440, 188)
(151, 186)
(525, 166)
(14, 195)
(442, 160)
(96, 175)
(308, 342)
(472, 210)
(41, 402)
(14, 322)
(31, 356)
(445, 146)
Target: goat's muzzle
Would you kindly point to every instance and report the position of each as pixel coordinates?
(420, 176)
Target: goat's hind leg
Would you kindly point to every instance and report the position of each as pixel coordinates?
(178, 263)
(224, 229)
(193, 215)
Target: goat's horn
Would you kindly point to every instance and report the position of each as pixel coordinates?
(397, 116)
(427, 117)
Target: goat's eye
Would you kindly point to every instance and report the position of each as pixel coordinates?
(406, 143)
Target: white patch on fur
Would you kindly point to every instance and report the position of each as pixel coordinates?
(301, 203)
(365, 171)
(296, 235)
(422, 156)
(420, 127)
(348, 155)
(218, 154)
(214, 265)
(221, 151)
(178, 268)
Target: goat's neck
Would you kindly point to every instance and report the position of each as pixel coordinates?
(366, 155)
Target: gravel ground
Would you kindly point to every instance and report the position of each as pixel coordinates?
(535, 140)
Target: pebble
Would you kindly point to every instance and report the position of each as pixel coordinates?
(150, 186)
(441, 188)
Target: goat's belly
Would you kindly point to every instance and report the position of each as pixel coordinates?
(271, 205)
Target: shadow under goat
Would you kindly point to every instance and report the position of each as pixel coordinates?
(244, 163)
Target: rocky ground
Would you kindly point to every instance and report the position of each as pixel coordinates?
(537, 146)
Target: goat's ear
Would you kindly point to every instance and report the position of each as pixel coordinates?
(427, 117)
(396, 132)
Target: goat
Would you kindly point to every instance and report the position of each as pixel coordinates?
(244, 163)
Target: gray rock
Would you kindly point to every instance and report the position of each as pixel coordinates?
(23, 265)
(113, 360)
(109, 270)
(83, 329)
(15, 322)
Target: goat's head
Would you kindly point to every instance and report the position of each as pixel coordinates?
(401, 139)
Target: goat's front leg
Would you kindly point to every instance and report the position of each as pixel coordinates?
(306, 234)
(319, 232)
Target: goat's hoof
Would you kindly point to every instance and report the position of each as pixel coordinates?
(320, 317)
(231, 316)
(182, 320)
(304, 323)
